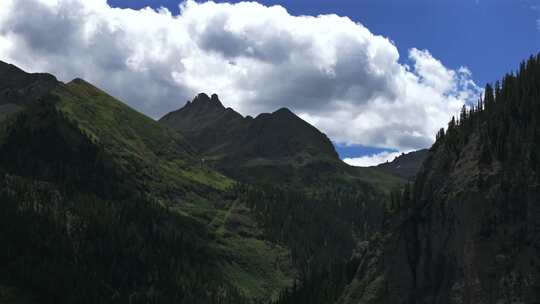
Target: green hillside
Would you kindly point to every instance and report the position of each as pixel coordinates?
(80, 155)
(103, 204)
(272, 148)
(163, 159)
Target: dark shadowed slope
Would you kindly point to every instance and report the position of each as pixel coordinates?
(101, 202)
(295, 185)
(276, 147)
(223, 133)
(205, 122)
(18, 88)
(405, 166)
(468, 231)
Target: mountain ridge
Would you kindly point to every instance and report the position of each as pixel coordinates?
(78, 154)
(405, 165)
(223, 132)
(159, 223)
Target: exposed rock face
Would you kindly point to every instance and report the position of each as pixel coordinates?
(406, 165)
(222, 132)
(472, 235)
(207, 124)
(470, 230)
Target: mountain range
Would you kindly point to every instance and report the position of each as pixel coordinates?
(97, 174)
(102, 204)
(276, 147)
(405, 165)
(222, 133)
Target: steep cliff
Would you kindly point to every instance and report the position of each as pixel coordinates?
(469, 229)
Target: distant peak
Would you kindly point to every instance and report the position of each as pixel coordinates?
(79, 81)
(203, 100)
(215, 100)
(284, 111)
(201, 97)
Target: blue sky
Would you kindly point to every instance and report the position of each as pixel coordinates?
(488, 36)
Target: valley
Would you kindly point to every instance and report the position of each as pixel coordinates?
(102, 204)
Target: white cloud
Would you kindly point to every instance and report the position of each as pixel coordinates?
(330, 70)
(372, 160)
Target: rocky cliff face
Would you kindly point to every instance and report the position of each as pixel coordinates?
(208, 124)
(471, 235)
(222, 132)
(469, 230)
(272, 147)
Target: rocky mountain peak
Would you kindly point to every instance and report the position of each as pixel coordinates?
(215, 129)
(204, 102)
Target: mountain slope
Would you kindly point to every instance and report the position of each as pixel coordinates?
(223, 133)
(293, 183)
(468, 230)
(122, 209)
(150, 156)
(272, 148)
(160, 154)
(104, 204)
(18, 89)
(405, 166)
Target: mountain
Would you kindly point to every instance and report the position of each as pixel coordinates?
(150, 155)
(223, 133)
(468, 230)
(101, 203)
(211, 128)
(295, 186)
(406, 165)
(271, 148)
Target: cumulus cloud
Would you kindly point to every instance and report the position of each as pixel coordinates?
(331, 71)
(372, 160)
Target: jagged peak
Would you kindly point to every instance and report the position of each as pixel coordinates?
(202, 99)
(215, 98)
